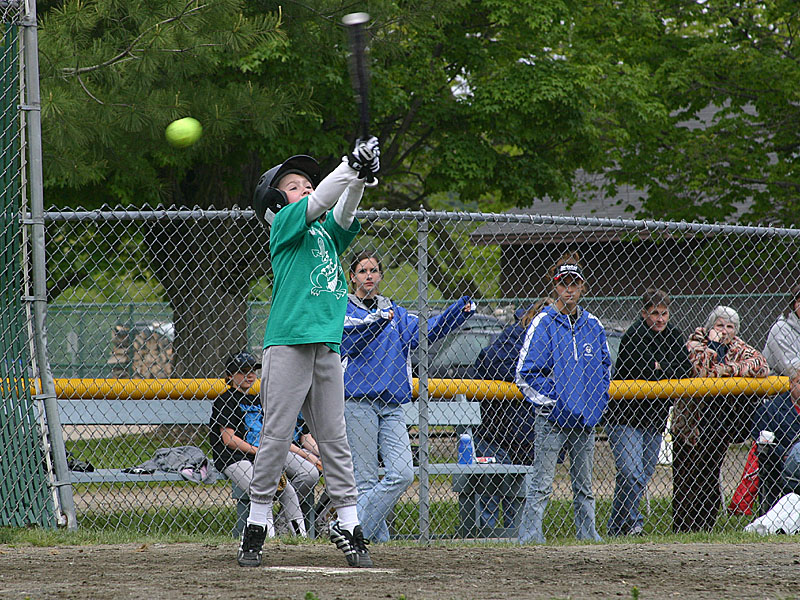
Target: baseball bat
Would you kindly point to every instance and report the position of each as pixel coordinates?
(359, 73)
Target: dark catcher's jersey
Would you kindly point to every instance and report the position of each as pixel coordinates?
(240, 412)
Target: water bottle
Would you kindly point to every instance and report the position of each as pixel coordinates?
(466, 450)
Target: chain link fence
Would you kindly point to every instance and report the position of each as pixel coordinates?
(27, 496)
(145, 307)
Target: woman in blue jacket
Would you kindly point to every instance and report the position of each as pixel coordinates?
(378, 338)
(564, 369)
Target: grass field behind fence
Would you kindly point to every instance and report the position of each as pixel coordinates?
(220, 520)
(209, 509)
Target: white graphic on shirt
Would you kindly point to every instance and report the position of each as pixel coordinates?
(588, 351)
(325, 276)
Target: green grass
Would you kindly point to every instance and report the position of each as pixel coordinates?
(92, 536)
(213, 525)
(207, 525)
(443, 519)
(133, 523)
(164, 521)
(559, 527)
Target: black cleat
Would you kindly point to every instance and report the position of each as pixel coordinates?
(250, 547)
(353, 545)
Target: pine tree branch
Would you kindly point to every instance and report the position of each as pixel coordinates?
(128, 53)
(88, 93)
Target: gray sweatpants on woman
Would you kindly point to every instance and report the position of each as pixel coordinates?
(307, 377)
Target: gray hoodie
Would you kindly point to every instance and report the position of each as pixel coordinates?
(782, 349)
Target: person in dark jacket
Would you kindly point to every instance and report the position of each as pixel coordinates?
(237, 419)
(651, 349)
(506, 429)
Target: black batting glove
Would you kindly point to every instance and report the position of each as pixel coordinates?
(365, 157)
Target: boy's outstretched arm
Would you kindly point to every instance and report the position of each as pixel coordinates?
(344, 186)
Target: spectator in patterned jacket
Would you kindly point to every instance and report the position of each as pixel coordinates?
(706, 427)
(782, 350)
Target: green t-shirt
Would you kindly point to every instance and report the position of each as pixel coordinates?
(309, 289)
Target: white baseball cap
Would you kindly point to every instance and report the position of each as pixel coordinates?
(568, 269)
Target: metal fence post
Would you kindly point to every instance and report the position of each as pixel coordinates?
(424, 442)
(47, 391)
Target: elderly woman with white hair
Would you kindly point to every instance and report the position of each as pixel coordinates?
(705, 427)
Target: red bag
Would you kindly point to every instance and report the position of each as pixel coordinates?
(746, 491)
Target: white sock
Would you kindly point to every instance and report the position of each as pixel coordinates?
(348, 517)
(261, 514)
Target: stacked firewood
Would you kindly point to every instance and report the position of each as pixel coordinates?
(141, 353)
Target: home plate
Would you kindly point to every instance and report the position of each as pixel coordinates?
(331, 570)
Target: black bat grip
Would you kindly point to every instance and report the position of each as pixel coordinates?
(359, 74)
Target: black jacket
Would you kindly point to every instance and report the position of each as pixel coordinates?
(240, 412)
(639, 351)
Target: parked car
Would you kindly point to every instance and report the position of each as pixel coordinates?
(452, 356)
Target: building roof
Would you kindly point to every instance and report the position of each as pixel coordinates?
(626, 204)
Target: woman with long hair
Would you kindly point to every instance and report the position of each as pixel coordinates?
(379, 336)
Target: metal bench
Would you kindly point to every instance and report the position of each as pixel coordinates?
(469, 481)
(149, 412)
(473, 481)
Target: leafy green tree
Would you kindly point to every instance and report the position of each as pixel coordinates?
(114, 74)
(478, 103)
(727, 72)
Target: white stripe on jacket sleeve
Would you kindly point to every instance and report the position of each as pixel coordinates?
(528, 391)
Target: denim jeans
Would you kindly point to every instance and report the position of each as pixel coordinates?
(549, 439)
(374, 428)
(489, 502)
(635, 456)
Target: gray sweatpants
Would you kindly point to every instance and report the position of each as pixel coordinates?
(241, 473)
(307, 377)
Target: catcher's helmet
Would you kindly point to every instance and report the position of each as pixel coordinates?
(267, 199)
(241, 363)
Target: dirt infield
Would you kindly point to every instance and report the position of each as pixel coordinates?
(311, 572)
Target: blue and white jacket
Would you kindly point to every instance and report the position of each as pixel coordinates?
(564, 370)
(376, 352)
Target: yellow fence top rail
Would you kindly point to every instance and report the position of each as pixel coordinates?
(147, 389)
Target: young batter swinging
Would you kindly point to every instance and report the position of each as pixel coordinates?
(301, 366)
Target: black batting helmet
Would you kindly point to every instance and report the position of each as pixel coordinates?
(243, 362)
(267, 199)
